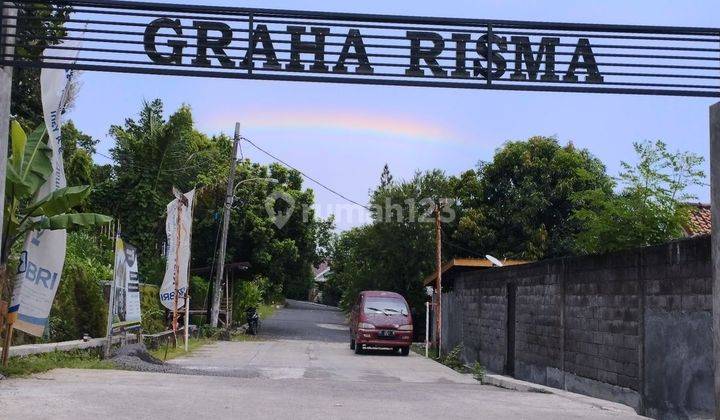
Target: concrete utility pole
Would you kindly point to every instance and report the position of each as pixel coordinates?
(217, 284)
(438, 282)
(7, 36)
(715, 198)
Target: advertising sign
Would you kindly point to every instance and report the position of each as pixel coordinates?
(178, 227)
(125, 300)
(43, 256)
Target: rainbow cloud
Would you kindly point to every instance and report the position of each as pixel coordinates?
(370, 124)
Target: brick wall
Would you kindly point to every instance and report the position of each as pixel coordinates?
(633, 327)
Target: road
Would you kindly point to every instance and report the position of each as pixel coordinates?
(301, 368)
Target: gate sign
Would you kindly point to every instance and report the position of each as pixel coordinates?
(267, 44)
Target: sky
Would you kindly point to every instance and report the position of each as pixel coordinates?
(344, 134)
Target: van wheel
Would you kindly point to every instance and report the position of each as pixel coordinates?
(405, 351)
(352, 344)
(358, 348)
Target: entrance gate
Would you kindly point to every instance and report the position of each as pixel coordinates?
(264, 44)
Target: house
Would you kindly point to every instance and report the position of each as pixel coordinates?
(700, 220)
(320, 274)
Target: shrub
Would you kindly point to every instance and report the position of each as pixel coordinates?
(247, 295)
(478, 371)
(79, 305)
(452, 360)
(153, 313)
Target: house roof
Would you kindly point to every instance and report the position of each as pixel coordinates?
(465, 264)
(321, 270)
(700, 222)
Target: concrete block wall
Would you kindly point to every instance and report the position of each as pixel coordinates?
(633, 327)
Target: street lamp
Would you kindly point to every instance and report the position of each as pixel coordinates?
(234, 198)
(269, 180)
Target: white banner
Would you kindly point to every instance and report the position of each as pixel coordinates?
(126, 286)
(178, 227)
(43, 257)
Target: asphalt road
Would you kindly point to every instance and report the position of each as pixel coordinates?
(302, 368)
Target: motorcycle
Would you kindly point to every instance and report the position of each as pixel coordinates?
(253, 321)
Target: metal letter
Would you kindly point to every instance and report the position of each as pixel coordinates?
(297, 47)
(261, 34)
(461, 41)
(217, 45)
(589, 64)
(428, 55)
(523, 52)
(354, 39)
(151, 33)
(496, 58)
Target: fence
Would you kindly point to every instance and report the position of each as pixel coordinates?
(633, 327)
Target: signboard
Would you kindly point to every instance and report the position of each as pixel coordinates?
(245, 43)
(43, 255)
(178, 227)
(125, 300)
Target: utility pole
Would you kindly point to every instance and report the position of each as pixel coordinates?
(438, 283)
(217, 284)
(7, 38)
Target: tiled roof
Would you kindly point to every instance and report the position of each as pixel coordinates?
(700, 220)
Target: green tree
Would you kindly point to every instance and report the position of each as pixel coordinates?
(520, 204)
(151, 155)
(78, 149)
(39, 25)
(649, 210)
(397, 250)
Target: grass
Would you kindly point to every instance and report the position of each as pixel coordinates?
(266, 311)
(452, 360)
(38, 363)
(174, 352)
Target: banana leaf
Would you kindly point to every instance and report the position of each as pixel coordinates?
(60, 201)
(65, 221)
(30, 158)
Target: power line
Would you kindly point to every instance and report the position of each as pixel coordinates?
(344, 197)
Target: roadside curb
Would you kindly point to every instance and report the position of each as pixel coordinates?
(513, 384)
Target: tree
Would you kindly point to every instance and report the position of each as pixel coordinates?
(78, 149)
(151, 155)
(520, 204)
(39, 25)
(649, 210)
(397, 250)
(28, 169)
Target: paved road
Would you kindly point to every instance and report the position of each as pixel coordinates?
(302, 369)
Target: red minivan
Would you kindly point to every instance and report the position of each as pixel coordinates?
(381, 319)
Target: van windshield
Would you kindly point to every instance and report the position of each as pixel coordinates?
(387, 306)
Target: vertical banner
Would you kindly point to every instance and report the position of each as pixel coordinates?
(43, 256)
(125, 301)
(178, 227)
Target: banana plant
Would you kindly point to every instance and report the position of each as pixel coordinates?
(29, 167)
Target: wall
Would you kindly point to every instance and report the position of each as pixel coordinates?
(632, 327)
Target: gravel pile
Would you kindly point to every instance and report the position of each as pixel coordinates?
(135, 357)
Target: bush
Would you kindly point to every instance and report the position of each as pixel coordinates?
(247, 295)
(452, 360)
(153, 313)
(79, 305)
(478, 371)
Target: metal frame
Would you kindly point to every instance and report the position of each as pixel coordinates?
(620, 59)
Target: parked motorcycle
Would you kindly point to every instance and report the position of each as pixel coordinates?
(253, 321)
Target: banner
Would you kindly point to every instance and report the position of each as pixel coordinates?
(43, 256)
(178, 227)
(125, 301)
